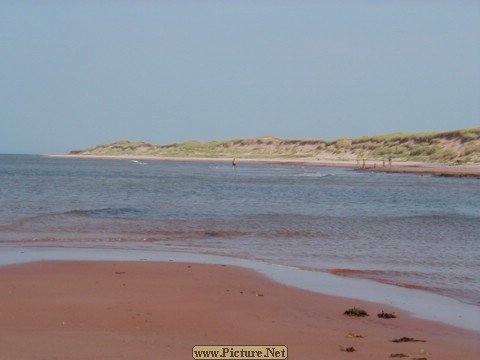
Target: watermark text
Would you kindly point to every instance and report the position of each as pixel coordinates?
(244, 352)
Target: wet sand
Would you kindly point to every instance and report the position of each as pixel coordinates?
(467, 171)
(140, 310)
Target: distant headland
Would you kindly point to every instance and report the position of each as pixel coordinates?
(458, 147)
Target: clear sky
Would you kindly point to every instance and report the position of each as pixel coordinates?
(74, 74)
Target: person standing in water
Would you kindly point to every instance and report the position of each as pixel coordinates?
(234, 163)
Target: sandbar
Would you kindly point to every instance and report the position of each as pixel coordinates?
(161, 310)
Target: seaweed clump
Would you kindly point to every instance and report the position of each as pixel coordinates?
(384, 315)
(407, 339)
(348, 349)
(355, 312)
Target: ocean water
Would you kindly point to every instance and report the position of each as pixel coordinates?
(411, 231)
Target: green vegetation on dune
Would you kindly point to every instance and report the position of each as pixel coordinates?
(459, 145)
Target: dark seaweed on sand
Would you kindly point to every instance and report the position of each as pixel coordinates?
(384, 315)
(407, 339)
(347, 349)
(355, 312)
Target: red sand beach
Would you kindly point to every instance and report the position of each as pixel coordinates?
(140, 310)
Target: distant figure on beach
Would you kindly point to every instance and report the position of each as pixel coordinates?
(234, 163)
(390, 161)
(364, 163)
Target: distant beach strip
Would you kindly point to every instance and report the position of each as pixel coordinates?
(400, 167)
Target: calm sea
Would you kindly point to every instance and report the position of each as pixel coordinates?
(413, 231)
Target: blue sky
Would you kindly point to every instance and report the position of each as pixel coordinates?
(75, 74)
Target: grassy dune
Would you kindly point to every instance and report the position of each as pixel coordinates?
(458, 145)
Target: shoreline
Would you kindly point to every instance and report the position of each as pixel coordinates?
(416, 302)
(150, 310)
(397, 167)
